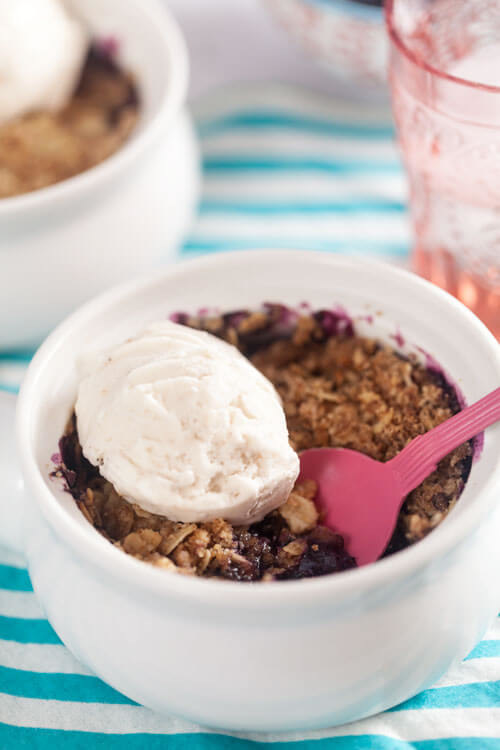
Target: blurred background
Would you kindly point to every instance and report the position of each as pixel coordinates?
(247, 42)
(295, 127)
(293, 108)
(286, 139)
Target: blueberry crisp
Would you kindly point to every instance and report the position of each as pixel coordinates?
(337, 389)
(42, 148)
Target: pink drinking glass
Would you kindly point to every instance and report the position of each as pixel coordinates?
(445, 84)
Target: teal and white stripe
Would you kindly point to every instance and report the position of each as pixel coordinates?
(290, 169)
(286, 169)
(12, 368)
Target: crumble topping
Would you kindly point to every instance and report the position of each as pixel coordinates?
(338, 389)
(43, 148)
(288, 543)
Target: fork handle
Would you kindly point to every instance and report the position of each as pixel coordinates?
(422, 455)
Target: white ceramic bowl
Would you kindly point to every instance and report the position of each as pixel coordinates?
(347, 38)
(285, 655)
(61, 245)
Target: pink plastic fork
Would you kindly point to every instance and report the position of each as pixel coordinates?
(361, 498)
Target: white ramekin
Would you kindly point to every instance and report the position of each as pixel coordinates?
(287, 655)
(61, 245)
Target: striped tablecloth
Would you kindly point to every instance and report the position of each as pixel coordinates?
(285, 169)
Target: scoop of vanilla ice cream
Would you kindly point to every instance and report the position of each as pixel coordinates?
(184, 426)
(42, 51)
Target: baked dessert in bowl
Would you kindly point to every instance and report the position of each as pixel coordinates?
(42, 148)
(363, 637)
(66, 104)
(104, 188)
(163, 451)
